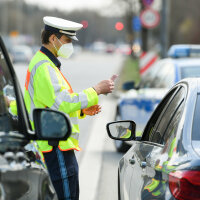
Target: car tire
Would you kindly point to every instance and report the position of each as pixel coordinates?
(120, 146)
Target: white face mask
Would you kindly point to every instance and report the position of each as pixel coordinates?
(66, 50)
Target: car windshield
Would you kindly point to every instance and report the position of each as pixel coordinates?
(190, 71)
(8, 108)
(161, 75)
(196, 124)
(196, 127)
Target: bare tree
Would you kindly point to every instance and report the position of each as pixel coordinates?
(184, 21)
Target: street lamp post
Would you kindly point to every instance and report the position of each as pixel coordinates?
(19, 23)
(164, 32)
(4, 17)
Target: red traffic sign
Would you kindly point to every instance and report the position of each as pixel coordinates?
(149, 18)
(147, 2)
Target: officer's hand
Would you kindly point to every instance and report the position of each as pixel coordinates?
(106, 86)
(93, 110)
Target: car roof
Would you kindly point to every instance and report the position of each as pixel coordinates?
(191, 82)
(184, 50)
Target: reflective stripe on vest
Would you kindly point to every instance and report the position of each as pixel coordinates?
(70, 90)
(32, 73)
(29, 85)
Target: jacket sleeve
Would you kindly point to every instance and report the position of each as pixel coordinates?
(81, 115)
(13, 107)
(49, 90)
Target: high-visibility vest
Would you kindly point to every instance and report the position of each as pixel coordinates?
(45, 86)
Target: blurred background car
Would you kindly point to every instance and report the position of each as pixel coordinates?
(124, 49)
(164, 163)
(21, 53)
(99, 47)
(110, 48)
(138, 104)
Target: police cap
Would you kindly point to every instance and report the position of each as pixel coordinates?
(59, 25)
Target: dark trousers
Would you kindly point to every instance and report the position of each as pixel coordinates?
(63, 170)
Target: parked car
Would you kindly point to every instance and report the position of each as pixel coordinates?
(110, 48)
(98, 47)
(164, 163)
(124, 49)
(21, 53)
(23, 174)
(139, 103)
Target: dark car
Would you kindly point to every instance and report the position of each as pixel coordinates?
(164, 163)
(23, 174)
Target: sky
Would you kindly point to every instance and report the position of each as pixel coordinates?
(71, 4)
(102, 6)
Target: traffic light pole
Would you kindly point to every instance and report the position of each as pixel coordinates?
(164, 32)
(144, 33)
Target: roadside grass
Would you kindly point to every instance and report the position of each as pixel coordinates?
(129, 72)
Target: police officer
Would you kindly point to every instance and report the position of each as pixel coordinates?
(46, 86)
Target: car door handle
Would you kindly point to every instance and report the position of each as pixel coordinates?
(143, 164)
(132, 161)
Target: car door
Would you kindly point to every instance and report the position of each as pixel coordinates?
(150, 153)
(22, 175)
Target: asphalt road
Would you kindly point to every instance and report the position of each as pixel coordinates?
(83, 71)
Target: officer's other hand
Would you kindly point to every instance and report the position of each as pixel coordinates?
(106, 86)
(93, 110)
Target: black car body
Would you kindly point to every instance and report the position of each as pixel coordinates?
(165, 162)
(23, 174)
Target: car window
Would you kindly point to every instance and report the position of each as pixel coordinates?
(160, 75)
(8, 108)
(165, 76)
(168, 119)
(196, 124)
(168, 76)
(150, 127)
(170, 132)
(187, 72)
(165, 117)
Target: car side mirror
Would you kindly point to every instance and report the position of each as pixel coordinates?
(51, 124)
(121, 130)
